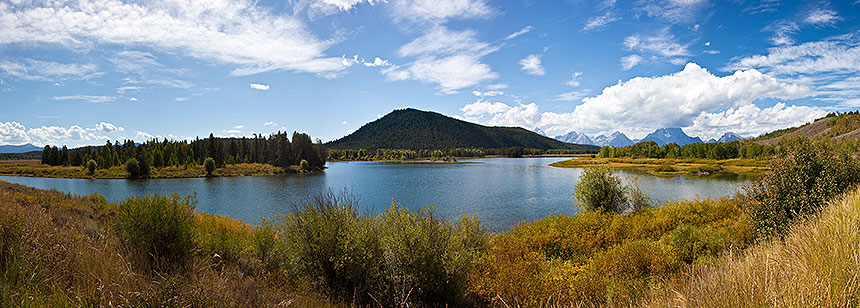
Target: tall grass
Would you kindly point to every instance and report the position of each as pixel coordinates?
(816, 265)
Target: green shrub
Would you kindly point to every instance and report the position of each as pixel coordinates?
(92, 166)
(398, 257)
(132, 166)
(800, 182)
(209, 165)
(220, 237)
(706, 169)
(599, 190)
(158, 229)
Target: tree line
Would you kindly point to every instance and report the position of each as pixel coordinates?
(275, 149)
(727, 150)
(402, 154)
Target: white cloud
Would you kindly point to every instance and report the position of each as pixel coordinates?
(143, 68)
(822, 17)
(132, 99)
(181, 99)
(36, 70)
(750, 120)
(451, 59)
(344, 123)
(484, 107)
(442, 41)
(377, 62)
(261, 87)
(108, 127)
(783, 32)
(572, 96)
(488, 93)
(630, 61)
(85, 98)
(233, 131)
(16, 133)
(532, 65)
(829, 66)
(601, 21)
(662, 44)
(574, 79)
(270, 124)
(239, 126)
(452, 73)
(643, 104)
(316, 8)
(522, 31)
(143, 136)
(439, 11)
(676, 11)
(234, 32)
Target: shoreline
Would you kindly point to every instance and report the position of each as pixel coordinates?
(694, 167)
(35, 169)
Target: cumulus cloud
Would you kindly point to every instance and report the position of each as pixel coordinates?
(532, 65)
(376, 62)
(258, 86)
(750, 120)
(30, 69)
(488, 93)
(450, 59)
(142, 136)
(108, 127)
(522, 31)
(598, 22)
(85, 98)
(270, 124)
(16, 133)
(235, 32)
(643, 104)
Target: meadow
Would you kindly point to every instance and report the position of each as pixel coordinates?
(36, 169)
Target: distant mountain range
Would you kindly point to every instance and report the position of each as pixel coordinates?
(661, 137)
(423, 130)
(17, 149)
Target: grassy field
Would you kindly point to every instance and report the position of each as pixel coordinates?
(673, 167)
(36, 169)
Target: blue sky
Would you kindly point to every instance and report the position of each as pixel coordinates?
(81, 72)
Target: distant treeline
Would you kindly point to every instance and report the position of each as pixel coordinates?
(21, 156)
(275, 149)
(391, 154)
(727, 150)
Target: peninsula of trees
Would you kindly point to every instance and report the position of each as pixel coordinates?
(276, 150)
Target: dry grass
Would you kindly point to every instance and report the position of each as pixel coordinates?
(816, 265)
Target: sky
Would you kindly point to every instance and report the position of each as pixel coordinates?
(83, 72)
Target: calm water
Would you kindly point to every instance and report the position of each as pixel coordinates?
(500, 191)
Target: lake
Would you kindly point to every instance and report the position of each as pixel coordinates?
(500, 191)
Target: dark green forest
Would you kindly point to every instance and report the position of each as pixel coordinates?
(727, 150)
(416, 130)
(276, 149)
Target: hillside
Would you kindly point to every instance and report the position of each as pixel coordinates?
(19, 149)
(845, 126)
(423, 130)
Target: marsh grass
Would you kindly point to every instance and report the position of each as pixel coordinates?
(36, 169)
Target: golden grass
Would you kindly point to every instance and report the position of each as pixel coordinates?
(36, 169)
(816, 265)
(689, 166)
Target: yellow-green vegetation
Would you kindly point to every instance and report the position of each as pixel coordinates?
(816, 265)
(605, 258)
(674, 167)
(36, 169)
(779, 244)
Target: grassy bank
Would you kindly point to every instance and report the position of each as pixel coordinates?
(673, 167)
(36, 169)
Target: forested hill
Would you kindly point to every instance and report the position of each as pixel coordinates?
(423, 130)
